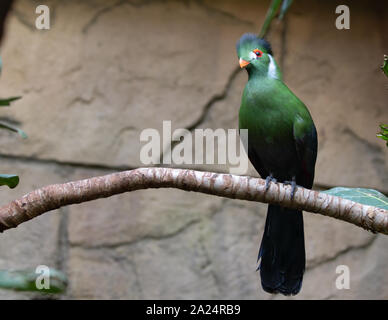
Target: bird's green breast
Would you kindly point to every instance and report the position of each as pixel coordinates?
(269, 110)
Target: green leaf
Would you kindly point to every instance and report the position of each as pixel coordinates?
(7, 126)
(361, 195)
(10, 180)
(382, 137)
(7, 102)
(285, 6)
(273, 8)
(384, 128)
(27, 280)
(271, 13)
(383, 134)
(384, 67)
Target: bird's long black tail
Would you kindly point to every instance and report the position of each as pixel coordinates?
(282, 251)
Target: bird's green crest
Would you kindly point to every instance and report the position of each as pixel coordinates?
(249, 41)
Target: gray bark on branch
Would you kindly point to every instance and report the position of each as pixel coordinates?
(55, 196)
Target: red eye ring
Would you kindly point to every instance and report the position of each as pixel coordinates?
(258, 53)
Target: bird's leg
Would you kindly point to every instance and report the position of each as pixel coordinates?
(268, 180)
(293, 185)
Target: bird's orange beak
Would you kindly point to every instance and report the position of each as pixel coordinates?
(243, 63)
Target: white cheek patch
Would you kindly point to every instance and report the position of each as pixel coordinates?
(252, 55)
(271, 67)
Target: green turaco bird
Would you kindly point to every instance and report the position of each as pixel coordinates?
(282, 146)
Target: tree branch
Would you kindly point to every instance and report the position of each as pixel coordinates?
(55, 196)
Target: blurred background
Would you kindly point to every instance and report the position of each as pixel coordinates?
(108, 69)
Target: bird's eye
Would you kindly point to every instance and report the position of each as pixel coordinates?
(258, 53)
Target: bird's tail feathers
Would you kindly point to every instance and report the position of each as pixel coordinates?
(282, 251)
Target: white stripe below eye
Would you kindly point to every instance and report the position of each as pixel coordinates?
(271, 68)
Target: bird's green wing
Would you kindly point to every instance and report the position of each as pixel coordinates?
(305, 136)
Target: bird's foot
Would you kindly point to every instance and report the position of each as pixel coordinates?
(294, 186)
(268, 180)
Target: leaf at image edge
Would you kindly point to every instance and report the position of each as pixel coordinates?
(26, 281)
(384, 67)
(383, 134)
(7, 102)
(7, 126)
(285, 6)
(361, 195)
(271, 12)
(10, 180)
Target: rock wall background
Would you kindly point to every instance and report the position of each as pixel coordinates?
(108, 69)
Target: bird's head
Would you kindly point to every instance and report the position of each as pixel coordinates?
(255, 54)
